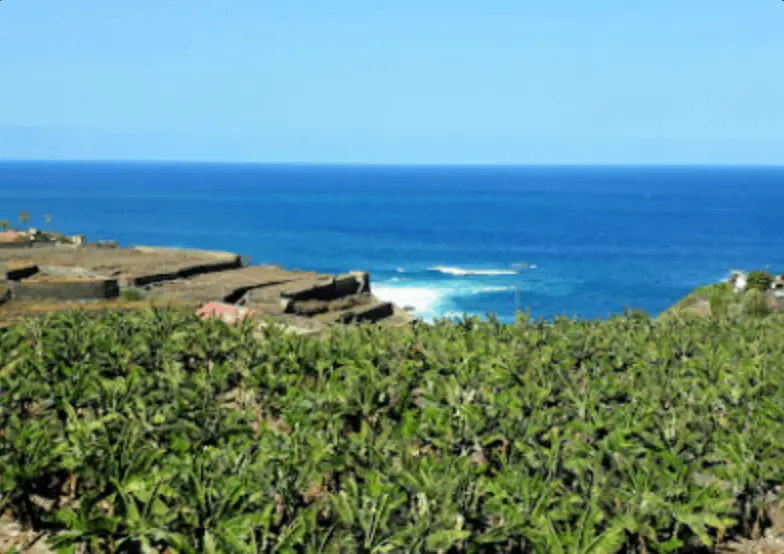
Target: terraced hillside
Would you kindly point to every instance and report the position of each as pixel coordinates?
(58, 278)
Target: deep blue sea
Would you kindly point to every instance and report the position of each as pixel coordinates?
(585, 241)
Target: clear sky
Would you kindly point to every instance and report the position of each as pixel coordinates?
(406, 81)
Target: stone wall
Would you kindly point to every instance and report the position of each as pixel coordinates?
(184, 273)
(174, 250)
(374, 312)
(65, 290)
(343, 285)
(26, 244)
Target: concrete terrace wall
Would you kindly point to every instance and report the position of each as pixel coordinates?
(184, 273)
(33, 244)
(66, 290)
(374, 312)
(342, 285)
(174, 250)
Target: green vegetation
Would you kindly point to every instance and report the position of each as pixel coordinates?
(720, 299)
(704, 299)
(153, 431)
(24, 217)
(4, 225)
(755, 303)
(132, 295)
(760, 280)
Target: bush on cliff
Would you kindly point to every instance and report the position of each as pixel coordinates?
(720, 298)
(760, 280)
(156, 432)
(756, 304)
(132, 295)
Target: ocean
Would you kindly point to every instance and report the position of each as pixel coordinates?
(576, 241)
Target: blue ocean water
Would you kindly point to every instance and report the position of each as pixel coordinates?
(585, 241)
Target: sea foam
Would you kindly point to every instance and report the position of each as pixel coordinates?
(494, 289)
(423, 300)
(463, 271)
(432, 300)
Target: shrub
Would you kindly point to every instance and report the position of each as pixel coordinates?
(720, 299)
(131, 295)
(755, 303)
(760, 280)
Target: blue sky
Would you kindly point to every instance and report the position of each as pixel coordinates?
(435, 81)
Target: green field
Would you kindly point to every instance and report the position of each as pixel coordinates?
(155, 432)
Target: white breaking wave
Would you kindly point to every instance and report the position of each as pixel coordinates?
(495, 289)
(461, 271)
(400, 270)
(431, 301)
(423, 300)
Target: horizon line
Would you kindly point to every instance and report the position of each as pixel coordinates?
(391, 164)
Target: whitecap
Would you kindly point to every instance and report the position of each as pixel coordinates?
(424, 300)
(494, 289)
(462, 271)
(400, 270)
(432, 300)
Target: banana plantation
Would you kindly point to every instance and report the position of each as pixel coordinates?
(157, 432)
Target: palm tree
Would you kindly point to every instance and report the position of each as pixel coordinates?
(24, 217)
(48, 218)
(5, 224)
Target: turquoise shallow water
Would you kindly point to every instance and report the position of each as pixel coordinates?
(584, 241)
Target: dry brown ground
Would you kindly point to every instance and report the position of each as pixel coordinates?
(12, 311)
(113, 262)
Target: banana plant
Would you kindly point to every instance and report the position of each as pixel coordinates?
(221, 504)
(142, 519)
(154, 431)
(365, 514)
(30, 456)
